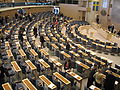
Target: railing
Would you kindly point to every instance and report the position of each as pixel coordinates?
(2, 5)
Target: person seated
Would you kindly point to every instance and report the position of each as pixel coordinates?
(2, 71)
(118, 33)
(22, 29)
(67, 47)
(20, 86)
(67, 65)
(39, 85)
(57, 83)
(74, 86)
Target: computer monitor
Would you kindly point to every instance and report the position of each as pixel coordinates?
(56, 10)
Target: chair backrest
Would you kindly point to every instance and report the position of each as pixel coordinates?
(117, 66)
(113, 70)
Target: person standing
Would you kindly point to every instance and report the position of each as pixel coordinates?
(13, 3)
(35, 31)
(67, 47)
(112, 28)
(42, 41)
(109, 81)
(20, 36)
(91, 79)
(99, 77)
(97, 19)
(40, 28)
(16, 15)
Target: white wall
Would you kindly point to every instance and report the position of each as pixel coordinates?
(71, 10)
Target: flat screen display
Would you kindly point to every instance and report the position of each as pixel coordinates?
(105, 3)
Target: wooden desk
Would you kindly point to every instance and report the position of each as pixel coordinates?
(58, 35)
(33, 38)
(22, 53)
(97, 44)
(69, 40)
(61, 78)
(82, 65)
(44, 52)
(88, 61)
(28, 44)
(17, 44)
(50, 34)
(76, 77)
(54, 46)
(109, 47)
(107, 60)
(101, 45)
(84, 40)
(63, 46)
(48, 82)
(38, 45)
(9, 53)
(62, 40)
(65, 54)
(25, 38)
(80, 46)
(91, 52)
(16, 37)
(16, 66)
(31, 65)
(46, 38)
(7, 86)
(7, 44)
(33, 52)
(115, 74)
(102, 63)
(28, 84)
(75, 54)
(44, 63)
(83, 53)
(49, 31)
(54, 39)
(71, 46)
(56, 63)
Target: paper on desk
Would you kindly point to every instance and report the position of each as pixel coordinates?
(71, 51)
(78, 62)
(51, 85)
(57, 63)
(116, 82)
(92, 87)
(41, 60)
(76, 76)
(62, 51)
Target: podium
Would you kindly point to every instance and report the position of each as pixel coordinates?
(109, 36)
